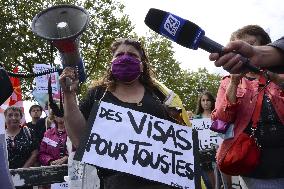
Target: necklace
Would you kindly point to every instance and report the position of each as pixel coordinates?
(139, 104)
(12, 139)
(10, 136)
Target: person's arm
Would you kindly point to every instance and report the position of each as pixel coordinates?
(267, 56)
(226, 103)
(75, 122)
(60, 161)
(278, 44)
(232, 88)
(261, 56)
(32, 159)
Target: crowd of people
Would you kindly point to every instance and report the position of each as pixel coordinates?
(35, 143)
(130, 83)
(239, 95)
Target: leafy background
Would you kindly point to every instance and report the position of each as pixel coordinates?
(20, 47)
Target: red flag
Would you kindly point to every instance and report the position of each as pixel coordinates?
(4, 106)
(16, 97)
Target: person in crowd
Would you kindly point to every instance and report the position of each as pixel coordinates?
(236, 101)
(37, 123)
(265, 56)
(35, 113)
(205, 106)
(128, 83)
(21, 144)
(53, 148)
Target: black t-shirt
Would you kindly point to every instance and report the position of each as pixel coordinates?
(39, 129)
(150, 104)
(270, 135)
(20, 148)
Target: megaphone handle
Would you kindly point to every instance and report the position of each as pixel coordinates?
(68, 83)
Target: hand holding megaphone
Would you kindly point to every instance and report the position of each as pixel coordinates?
(69, 80)
(62, 25)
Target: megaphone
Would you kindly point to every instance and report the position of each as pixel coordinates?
(62, 25)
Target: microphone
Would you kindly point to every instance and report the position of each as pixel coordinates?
(186, 33)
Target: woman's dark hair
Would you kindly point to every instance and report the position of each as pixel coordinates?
(199, 109)
(146, 76)
(253, 30)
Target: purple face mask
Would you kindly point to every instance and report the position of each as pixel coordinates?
(126, 68)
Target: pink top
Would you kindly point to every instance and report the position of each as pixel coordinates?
(240, 113)
(50, 146)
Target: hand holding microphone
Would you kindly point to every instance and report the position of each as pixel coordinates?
(191, 36)
(232, 61)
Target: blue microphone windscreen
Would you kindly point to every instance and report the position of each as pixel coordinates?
(175, 28)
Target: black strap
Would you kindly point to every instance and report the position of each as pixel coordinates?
(62, 145)
(158, 93)
(99, 92)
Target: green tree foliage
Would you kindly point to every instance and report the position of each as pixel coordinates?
(187, 84)
(21, 47)
(197, 82)
(161, 57)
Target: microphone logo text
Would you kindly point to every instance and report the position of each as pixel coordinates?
(171, 25)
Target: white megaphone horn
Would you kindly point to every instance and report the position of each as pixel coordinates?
(62, 25)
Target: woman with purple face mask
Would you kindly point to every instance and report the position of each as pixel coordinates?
(126, 68)
(128, 83)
